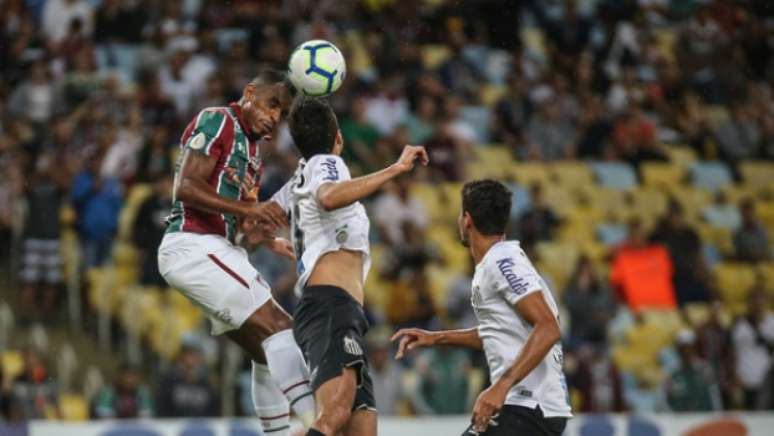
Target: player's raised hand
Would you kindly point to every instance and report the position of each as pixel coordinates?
(268, 212)
(488, 405)
(412, 338)
(281, 246)
(409, 157)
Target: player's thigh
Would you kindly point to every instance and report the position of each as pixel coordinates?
(215, 276)
(267, 320)
(361, 423)
(336, 396)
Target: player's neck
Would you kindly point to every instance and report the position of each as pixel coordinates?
(481, 244)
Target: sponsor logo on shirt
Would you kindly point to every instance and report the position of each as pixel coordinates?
(516, 283)
(330, 166)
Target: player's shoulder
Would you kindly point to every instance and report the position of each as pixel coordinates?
(330, 166)
(212, 119)
(505, 258)
(325, 159)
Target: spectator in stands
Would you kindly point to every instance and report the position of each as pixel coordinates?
(751, 242)
(595, 128)
(128, 397)
(41, 273)
(538, 222)
(458, 294)
(692, 386)
(549, 135)
(396, 207)
(713, 345)
(512, 112)
(388, 107)
(59, 14)
(34, 98)
(420, 125)
(690, 276)
(598, 380)
(408, 300)
(739, 136)
(691, 120)
(34, 393)
(185, 391)
(446, 154)
(386, 373)
(155, 159)
(97, 199)
(590, 304)
(753, 340)
(360, 136)
(634, 137)
(149, 227)
(5, 397)
(641, 272)
(443, 380)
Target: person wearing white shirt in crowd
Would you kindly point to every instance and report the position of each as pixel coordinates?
(753, 341)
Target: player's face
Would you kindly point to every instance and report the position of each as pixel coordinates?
(264, 106)
(463, 231)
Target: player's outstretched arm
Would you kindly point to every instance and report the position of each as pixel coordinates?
(412, 338)
(545, 333)
(341, 194)
(191, 187)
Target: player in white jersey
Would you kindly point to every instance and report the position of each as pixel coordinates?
(518, 325)
(330, 234)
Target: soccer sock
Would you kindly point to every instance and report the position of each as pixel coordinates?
(287, 367)
(271, 406)
(313, 432)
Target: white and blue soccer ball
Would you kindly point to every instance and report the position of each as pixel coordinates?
(317, 68)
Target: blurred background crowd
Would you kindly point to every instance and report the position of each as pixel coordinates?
(637, 137)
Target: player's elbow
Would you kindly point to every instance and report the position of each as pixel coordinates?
(327, 202)
(551, 331)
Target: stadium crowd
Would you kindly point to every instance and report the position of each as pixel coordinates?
(94, 95)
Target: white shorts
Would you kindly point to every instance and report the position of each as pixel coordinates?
(215, 275)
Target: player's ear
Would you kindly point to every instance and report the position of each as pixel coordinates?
(249, 92)
(338, 144)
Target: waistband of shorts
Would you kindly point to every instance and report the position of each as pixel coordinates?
(327, 292)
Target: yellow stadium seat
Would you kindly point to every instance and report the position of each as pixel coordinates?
(134, 199)
(766, 273)
(716, 114)
(434, 55)
(575, 233)
(452, 192)
(692, 200)
(529, 173)
(560, 198)
(73, 407)
(666, 39)
(734, 281)
(430, 197)
(683, 156)
(12, 363)
(491, 94)
(648, 202)
(662, 175)
(720, 237)
(669, 320)
(533, 40)
(697, 313)
(572, 174)
(757, 175)
(558, 260)
(610, 201)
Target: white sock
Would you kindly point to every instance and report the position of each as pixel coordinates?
(287, 366)
(270, 404)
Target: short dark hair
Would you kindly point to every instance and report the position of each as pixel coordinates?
(313, 126)
(489, 204)
(270, 76)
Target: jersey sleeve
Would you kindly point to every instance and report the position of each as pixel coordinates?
(208, 133)
(324, 169)
(512, 279)
(282, 197)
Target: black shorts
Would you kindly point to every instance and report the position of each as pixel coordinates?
(330, 327)
(520, 420)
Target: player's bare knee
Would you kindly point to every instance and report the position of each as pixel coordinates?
(333, 418)
(268, 320)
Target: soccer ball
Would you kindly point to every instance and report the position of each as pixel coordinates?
(317, 68)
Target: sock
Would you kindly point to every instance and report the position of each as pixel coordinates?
(270, 404)
(313, 432)
(287, 367)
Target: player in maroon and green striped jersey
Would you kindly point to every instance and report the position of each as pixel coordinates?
(200, 256)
